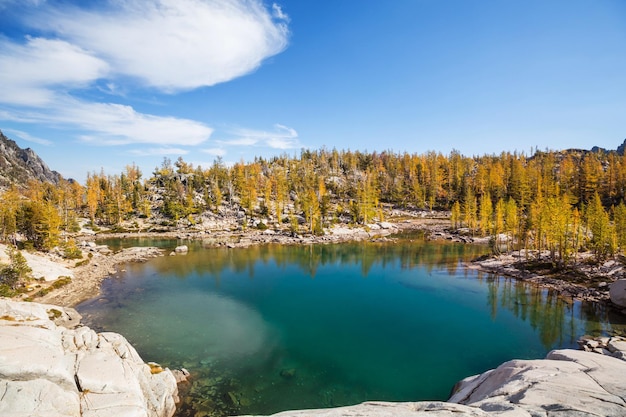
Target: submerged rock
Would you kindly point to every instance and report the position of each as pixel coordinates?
(48, 369)
(566, 383)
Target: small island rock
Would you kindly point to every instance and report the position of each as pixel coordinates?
(181, 249)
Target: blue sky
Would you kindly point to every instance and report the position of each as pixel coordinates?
(93, 85)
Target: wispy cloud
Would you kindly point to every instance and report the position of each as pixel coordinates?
(215, 151)
(119, 124)
(36, 72)
(245, 141)
(278, 13)
(159, 151)
(174, 45)
(282, 137)
(7, 3)
(29, 138)
(115, 124)
(167, 45)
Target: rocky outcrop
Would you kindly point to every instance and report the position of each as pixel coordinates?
(537, 268)
(617, 293)
(181, 249)
(18, 166)
(52, 366)
(388, 409)
(566, 383)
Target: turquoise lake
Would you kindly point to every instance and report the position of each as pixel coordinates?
(271, 328)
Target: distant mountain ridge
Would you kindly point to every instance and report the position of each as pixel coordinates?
(18, 166)
(620, 149)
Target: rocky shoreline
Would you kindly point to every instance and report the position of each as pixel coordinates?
(583, 281)
(51, 365)
(503, 391)
(88, 277)
(100, 262)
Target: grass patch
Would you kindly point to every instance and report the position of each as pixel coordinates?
(7, 291)
(82, 263)
(53, 313)
(59, 283)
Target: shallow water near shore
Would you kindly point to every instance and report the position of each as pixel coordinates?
(270, 328)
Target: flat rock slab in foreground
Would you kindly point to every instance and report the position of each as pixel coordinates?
(387, 409)
(56, 371)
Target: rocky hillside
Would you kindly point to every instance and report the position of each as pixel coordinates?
(18, 166)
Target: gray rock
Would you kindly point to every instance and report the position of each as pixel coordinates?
(387, 409)
(37, 397)
(617, 292)
(181, 249)
(583, 383)
(617, 345)
(48, 370)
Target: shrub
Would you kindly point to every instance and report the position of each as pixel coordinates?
(17, 270)
(61, 282)
(83, 262)
(7, 291)
(71, 251)
(9, 277)
(53, 313)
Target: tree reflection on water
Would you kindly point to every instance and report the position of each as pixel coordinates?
(553, 316)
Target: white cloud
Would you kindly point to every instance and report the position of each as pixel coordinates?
(245, 141)
(159, 151)
(278, 13)
(171, 45)
(282, 137)
(29, 138)
(30, 71)
(115, 124)
(175, 45)
(215, 151)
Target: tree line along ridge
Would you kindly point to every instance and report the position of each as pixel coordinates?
(559, 201)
